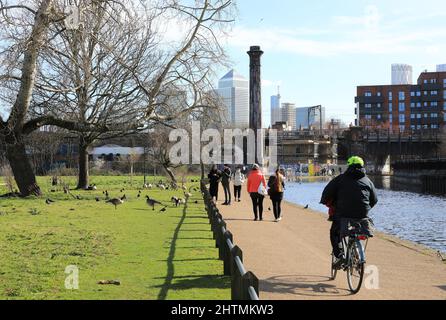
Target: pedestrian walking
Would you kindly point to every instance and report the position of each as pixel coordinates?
(257, 190)
(276, 185)
(239, 180)
(214, 177)
(226, 181)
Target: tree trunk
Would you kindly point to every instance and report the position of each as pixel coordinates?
(83, 181)
(22, 169)
(170, 173)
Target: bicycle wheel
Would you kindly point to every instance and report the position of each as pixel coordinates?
(334, 271)
(355, 270)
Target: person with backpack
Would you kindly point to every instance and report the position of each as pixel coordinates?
(214, 180)
(276, 185)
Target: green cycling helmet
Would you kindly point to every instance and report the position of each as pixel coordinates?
(355, 161)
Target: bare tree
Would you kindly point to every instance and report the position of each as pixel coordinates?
(95, 80)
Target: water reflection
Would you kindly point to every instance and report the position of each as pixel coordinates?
(411, 216)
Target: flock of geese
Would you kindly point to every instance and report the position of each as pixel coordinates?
(151, 203)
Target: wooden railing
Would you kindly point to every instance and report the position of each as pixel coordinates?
(244, 284)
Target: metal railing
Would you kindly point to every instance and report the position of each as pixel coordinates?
(244, 284)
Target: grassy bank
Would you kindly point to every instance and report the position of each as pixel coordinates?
(154, 255)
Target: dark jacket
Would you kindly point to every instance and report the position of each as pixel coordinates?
(273, 189)
(226, 176)
(214, 179)
(352, 193)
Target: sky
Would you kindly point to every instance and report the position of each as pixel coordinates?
(318, 52)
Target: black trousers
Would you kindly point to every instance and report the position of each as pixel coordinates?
(335, 237)
(237, 192)
(277, 209)
(227, 191)
(257, 205)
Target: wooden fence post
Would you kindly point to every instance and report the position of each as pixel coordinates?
(236, 286)
(227, 253)
(249, 280)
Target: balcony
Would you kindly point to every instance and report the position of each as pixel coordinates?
(431, 86)
(374, 99)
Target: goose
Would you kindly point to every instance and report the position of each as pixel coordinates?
(175, 201)
(117, 201)
(152, 202)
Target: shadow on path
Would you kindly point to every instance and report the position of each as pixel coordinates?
(302, 285)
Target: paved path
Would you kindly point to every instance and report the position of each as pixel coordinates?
(292, 259)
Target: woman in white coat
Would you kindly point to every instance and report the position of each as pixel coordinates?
(239, 180)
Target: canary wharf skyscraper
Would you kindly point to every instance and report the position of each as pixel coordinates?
(234, 89)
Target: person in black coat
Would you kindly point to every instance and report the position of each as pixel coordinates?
(276, 185)
(214, 179)
(352, 195)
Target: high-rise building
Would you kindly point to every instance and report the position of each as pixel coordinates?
(310, 117)
(234, 89)
(276, 112)
(401, 74)
(403, 107)
(289, 115)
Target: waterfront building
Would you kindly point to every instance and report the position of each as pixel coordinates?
(403, 107)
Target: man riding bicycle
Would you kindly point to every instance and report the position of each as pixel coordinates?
(350, 196)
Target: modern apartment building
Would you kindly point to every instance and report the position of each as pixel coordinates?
(403, 107)
(234, 89)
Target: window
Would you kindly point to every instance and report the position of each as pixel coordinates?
(412, 104)
(434, 126)
(418, 115)
(378, 117)
(391, 118)
(368, 94)
(412, 93)
(402, 107)
(379, 94)
(412, 116)
(425, 93)
(444, 94)
(391, 94)
(413, 127)
(368, 117)
(402, 128)
(425, 81)
(434, 93)
(444, 83)
(419, 127)
(418, 93)
(434, 115)
(401, 95)
(426, 104)
(418, 104)
(434, 104)
(368, 105)
(391, 106)
(426, 116)
(402, 118)
(433, 80)
(378, 105)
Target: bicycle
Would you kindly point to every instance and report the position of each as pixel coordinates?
(353, 255)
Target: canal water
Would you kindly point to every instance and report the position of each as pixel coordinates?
(407, 215)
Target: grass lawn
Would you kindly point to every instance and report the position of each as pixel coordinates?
(154, 255)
